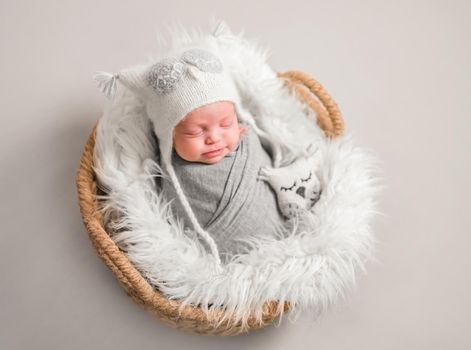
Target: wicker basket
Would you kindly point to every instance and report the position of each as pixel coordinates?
(190, 318)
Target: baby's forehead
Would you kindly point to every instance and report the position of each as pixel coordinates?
(208, 115)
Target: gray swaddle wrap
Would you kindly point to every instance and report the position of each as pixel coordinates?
(226, 197)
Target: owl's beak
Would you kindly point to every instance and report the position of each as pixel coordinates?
(301, 191)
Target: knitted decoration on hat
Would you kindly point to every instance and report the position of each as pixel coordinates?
(170, 89)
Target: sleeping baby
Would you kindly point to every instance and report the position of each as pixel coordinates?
(217, 160)
(217, 176)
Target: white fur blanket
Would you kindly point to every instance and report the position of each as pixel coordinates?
(309, 269)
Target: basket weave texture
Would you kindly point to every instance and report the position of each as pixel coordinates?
(328, 118)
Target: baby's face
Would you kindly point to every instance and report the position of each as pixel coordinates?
(208, 133)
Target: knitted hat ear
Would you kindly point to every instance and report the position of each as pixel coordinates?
(131, 78)
(220, 28)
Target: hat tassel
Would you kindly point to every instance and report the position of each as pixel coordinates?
(106, 83)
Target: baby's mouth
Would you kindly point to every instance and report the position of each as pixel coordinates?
(214, 153)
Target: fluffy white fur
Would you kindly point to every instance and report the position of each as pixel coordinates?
(309, 269)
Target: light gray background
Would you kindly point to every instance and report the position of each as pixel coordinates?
(400, 71)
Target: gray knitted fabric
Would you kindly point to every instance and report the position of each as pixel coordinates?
(227, 198)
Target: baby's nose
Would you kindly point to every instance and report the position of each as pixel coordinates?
(213, 137)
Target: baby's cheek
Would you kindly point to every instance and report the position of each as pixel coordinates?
(233, 136)
(194, 148)
(186, 149)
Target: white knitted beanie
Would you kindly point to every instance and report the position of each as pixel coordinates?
(173, 87)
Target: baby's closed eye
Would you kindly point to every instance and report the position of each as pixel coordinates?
(226, 125)
(193, 132)
(227, 122)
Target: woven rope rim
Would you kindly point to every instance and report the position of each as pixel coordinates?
(193, 319)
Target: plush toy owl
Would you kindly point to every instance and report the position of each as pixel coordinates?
(296, 185)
